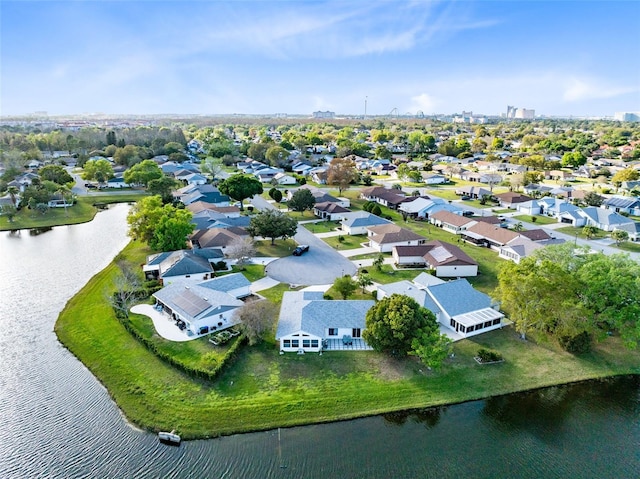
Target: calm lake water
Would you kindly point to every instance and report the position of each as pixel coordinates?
(59, 422)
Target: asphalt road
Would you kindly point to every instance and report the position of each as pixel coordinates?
(320, 265)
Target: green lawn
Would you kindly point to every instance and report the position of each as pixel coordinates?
(262, 389)
(572, 230)
(539, 219)
(279, 249)
(348, 242)
(629, 246)
(253, 272)
(390, 275)
(322, 226)
(82, 212)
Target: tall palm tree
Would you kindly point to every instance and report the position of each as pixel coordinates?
(13, 193)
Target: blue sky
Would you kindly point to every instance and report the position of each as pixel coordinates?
(216, 57)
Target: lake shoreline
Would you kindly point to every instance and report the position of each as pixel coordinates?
(306, 390)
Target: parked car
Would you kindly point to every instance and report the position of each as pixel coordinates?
(301, 249)
(467, 213)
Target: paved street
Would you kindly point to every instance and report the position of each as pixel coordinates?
(320, 265)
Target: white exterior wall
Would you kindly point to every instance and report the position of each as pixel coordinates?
(388, 247)
(240, 292)
(341, 332)
(300, 336)
(166, 280)
(358, 230)
(408, 259)
(224, 318)
(456, 271)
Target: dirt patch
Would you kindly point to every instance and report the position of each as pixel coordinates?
(392, 368)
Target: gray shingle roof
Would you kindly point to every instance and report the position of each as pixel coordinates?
(307, 311)
(227, 282)
(458, 297)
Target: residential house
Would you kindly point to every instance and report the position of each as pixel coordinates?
(206, 193)
(447, 260)
(266, 174)
(623, 204)
(181, 265)
(451, 222)
(329, 211)
(384, 237)
(217, 237)
(284, 179)
(559, 175)
(424, 207)
(491, 236)
(461, 310)
(536, 189)
(521, 247)
(357, 222)
(604, 219)
(203, 307)
(210, 218)
(633, 229)
(309, 323)
(433, 178)
(475, 192)
(510, 199)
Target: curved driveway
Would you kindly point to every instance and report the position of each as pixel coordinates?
(320, 265)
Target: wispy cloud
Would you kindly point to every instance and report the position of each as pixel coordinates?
(589, 89)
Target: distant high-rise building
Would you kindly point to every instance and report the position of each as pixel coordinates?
(627, 116)
(524, 114)
(324, 114)
(511, 111)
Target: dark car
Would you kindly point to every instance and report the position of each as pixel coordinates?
(467, 213)
(303, 248)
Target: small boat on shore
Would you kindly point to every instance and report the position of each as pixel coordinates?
(169, 438)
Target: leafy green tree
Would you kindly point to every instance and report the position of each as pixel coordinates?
(589, 231)
(241, 187)
(56, 173)
(431, 347)
(620, 236)
(171, 231)
(394, 322)
(364, 281)
(593, 199)
(111, 138)
(628, 174)
(97, 170)
(143, 217)
(376, 210)
(257, 151)
(277, 155)
(302, 200)
(573, 160)
(272, 224)
(142, 173)
(163, 187)
(341, 172)
(126, 155)
(173, 147)
(345, 286)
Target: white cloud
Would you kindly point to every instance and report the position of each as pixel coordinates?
(581, 90)
(424, 103)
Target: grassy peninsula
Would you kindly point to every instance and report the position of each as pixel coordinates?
(82, 212)
(261, 389)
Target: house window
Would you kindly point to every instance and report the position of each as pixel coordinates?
(496, 321)
(306, 343)
(478, 326)
(452, 323)
(286, 343)
(314, 343)
(295, 343)
(462, 329)
(356, 332)
(487, 324)
(333, 331)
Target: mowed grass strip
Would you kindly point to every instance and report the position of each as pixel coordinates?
(262, 389)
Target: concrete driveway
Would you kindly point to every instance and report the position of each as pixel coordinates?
(320, 265)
